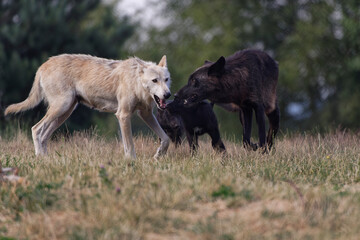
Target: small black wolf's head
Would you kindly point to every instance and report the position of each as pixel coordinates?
(171, 124)
(202, 84)
(168, 118)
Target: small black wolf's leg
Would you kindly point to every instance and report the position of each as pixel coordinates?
(216, 141)
(192, 140)
(177, 141)
(196, 144)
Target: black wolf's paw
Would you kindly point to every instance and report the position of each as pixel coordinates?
(254, 146)
(251, 146)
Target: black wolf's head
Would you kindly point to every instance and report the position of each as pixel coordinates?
(202, 84)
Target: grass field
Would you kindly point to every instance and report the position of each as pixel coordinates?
(308, 188)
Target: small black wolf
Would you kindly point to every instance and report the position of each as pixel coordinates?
(244, 81)
(195, 120)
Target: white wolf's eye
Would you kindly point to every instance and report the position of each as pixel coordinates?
(166, 79)
(155, 80)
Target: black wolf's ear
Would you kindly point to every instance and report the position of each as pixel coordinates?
(217, 68)
(207, 61)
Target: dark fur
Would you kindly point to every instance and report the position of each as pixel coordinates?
(197, 120)
(244, 81)
(172, 124)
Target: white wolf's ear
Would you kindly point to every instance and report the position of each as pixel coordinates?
(163, 62)
(140, 62)
(140, 65)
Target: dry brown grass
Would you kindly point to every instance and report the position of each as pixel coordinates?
(308, 188)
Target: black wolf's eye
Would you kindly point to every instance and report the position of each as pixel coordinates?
(166, 79)
(195, 82)
(155, 80)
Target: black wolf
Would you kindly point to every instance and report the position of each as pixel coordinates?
(195, 121)
(244, 81)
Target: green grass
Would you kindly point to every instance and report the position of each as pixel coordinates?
(308, 188)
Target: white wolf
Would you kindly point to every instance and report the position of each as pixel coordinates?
(120, 87)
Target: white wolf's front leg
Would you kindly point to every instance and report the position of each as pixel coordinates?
(151, 121)
(125, 126)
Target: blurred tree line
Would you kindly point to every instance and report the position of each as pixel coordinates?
(316, 43)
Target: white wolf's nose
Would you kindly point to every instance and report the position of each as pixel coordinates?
(167, 95)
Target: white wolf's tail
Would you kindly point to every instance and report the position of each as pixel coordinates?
(34, 98)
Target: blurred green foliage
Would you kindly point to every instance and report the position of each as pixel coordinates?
(316, 43)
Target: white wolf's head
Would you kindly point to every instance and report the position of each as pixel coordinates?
(156, 80)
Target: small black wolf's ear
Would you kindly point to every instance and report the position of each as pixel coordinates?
(217, 68)
(207, 61)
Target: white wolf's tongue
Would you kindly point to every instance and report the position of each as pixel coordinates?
(162, 103)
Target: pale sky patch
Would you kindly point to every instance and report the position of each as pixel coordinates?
(146, 12)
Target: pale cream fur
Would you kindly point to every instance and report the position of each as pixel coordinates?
(120, 87)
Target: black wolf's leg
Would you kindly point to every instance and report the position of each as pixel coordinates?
(274, 119)
(241, 117)
(260, 120)
(246, 120)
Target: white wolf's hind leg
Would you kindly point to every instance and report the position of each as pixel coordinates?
(54, 117)
(36, 135)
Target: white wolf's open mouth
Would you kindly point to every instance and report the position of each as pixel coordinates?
(161, 103)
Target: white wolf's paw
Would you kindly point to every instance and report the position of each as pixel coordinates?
(130, 155)
(156, 156)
